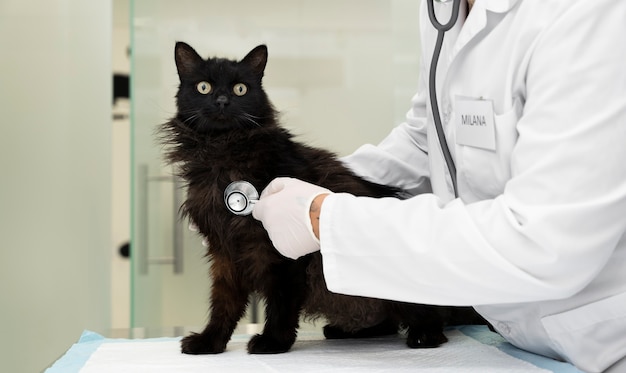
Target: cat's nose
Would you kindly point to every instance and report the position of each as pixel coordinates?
(222, 101)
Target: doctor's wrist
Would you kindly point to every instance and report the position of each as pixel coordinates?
(314, 213)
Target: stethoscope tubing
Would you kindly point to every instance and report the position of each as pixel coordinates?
(441, 30)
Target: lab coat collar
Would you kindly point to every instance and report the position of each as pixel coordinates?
(477, 19)
(496, 6)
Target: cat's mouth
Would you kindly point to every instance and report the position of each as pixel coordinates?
(222, 116)
(216, 121)
(222, 120)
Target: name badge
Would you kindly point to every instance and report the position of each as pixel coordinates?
(475, 125)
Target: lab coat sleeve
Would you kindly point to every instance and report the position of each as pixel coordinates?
(401, 159)
(560, 216)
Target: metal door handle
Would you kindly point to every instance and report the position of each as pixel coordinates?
(143, 254)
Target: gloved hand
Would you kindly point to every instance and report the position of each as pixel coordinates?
(283, 208)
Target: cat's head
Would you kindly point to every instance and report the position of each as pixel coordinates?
(218, 94)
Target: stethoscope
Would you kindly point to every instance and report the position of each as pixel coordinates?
(441, 28)
(240, 196)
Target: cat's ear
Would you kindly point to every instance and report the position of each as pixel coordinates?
(186, 58)
(256, 59)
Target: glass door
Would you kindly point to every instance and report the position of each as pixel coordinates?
(169, 276)
(341, 72)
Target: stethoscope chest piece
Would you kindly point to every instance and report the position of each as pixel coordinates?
(240, 197)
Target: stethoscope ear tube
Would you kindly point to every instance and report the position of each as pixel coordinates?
(433, 87)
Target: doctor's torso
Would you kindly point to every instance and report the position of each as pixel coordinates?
(496, 55)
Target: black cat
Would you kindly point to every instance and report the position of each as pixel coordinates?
(225, 130)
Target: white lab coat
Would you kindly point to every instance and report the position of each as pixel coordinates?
(536, 241)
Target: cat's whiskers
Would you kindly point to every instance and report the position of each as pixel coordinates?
(251, 118)
(195, 114)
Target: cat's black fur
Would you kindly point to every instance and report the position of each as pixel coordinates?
(219, 137)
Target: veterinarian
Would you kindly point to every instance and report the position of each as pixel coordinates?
(532, 101)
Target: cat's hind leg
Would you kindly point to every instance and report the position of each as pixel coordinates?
(420, 337)
(424, 325)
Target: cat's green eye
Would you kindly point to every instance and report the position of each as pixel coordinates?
(204, 88)
(240, 89)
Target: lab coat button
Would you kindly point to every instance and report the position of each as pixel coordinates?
(503, 328)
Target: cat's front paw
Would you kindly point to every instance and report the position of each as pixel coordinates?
(199, 344)
(264, 344)
(424, 339)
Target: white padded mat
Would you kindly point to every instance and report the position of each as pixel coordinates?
(462, 354)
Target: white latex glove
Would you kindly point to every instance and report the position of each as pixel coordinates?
(283, 208)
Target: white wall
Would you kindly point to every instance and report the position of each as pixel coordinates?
(55, 157)
(340, 72)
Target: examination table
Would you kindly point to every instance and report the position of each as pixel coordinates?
(469, 349)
